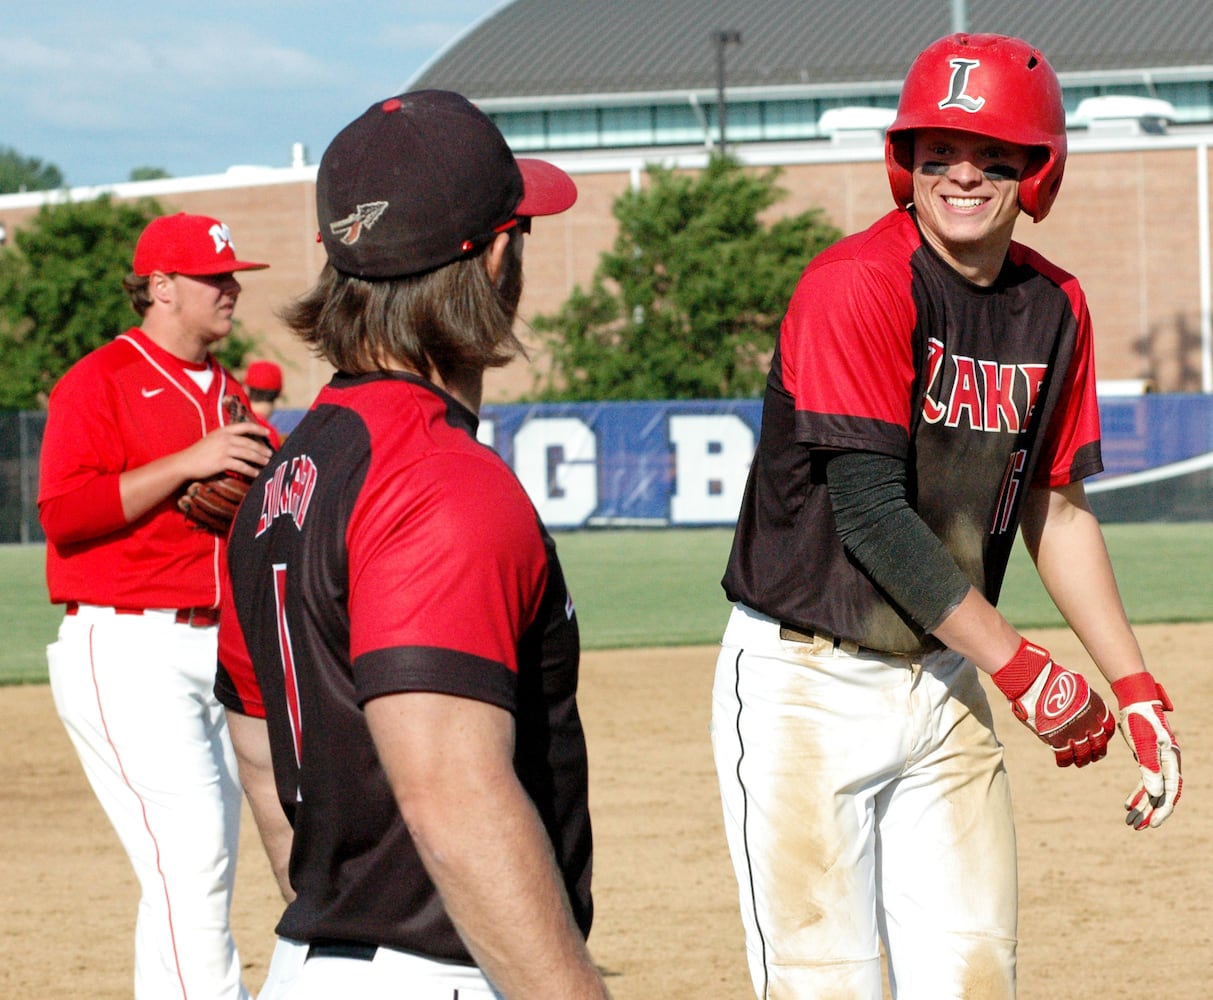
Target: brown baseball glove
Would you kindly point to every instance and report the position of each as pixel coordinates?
(212, 503)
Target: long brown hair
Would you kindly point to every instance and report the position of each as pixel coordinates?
(454, 319)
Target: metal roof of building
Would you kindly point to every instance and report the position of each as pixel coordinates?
(595, 48)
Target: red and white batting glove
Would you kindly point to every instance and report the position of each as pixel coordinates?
(1142, 723)
(1057, 705)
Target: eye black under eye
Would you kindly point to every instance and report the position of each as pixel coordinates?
(1001, 172)
(994, 172)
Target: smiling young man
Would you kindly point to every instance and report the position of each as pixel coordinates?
(931, 393)
(966, 198)
(128, 427)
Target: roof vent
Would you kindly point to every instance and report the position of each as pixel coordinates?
(853, 126)
(1122, 114)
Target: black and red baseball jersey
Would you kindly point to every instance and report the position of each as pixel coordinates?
(384, 550)
(983, 391)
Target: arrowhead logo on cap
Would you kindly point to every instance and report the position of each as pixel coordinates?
(364, 217)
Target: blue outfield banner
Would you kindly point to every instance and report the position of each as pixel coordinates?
(684, 464)
(1147, 432)
(628, 464)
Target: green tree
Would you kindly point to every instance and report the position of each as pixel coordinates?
(22, 173)
(687, 305)
(61, 293)
(149, 173)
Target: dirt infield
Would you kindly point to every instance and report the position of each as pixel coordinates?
(1105, 911)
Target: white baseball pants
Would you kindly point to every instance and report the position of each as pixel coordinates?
(135, 693)
(865, 802)
(387, 975)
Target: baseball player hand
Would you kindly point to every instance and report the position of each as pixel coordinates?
(212, 502)
(1142, 703)
(1057, 705)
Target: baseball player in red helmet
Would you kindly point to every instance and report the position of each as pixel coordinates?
(400, 657)
(132, 671)
(932, 391)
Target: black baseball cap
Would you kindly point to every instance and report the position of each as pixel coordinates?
(421, 179)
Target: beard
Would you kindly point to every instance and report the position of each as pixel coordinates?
(509, 280)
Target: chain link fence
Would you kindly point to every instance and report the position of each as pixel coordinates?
(20, 443)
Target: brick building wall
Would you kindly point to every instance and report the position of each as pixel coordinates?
(1126, 223)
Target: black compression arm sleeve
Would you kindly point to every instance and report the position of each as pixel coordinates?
(886, 537)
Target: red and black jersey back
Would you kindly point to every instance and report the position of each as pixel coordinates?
(385, 550)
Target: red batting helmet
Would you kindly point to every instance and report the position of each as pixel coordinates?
(990, 85)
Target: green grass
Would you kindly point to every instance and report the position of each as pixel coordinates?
(647, 587)
(28, 621)
(1165, 573)
(660, 588)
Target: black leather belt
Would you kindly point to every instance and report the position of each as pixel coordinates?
(791, 633)
(342, 949)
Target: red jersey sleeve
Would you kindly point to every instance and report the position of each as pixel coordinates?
(847, 352)
(460, 545)
(81, 460)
